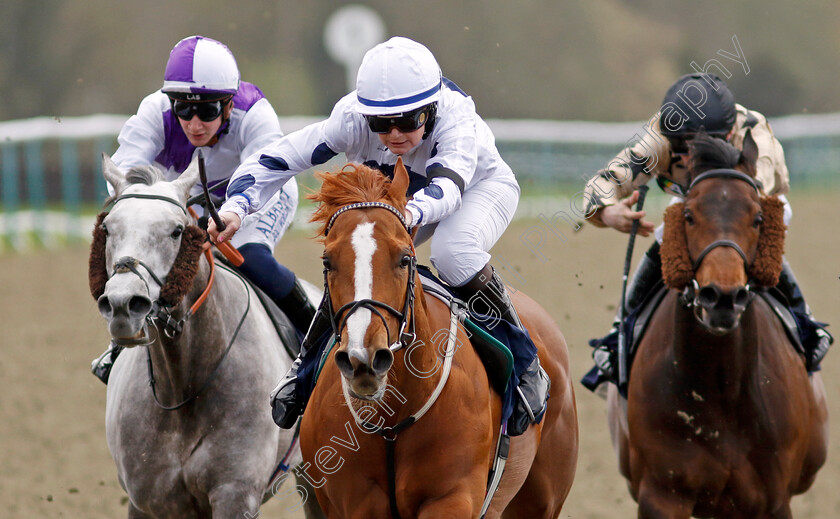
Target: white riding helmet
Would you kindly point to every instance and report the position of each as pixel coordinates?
(200, 69)
(397, 76)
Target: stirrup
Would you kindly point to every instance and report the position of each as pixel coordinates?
(532, 399)
(101, 366)
(286, 406)
(817, 354)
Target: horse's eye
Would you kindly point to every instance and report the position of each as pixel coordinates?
(759, 219)
(405, 261)
(327, 264)
(177, 232)
(689, 218)
(104, 229)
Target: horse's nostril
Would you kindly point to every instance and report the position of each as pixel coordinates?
(104, 305)
(708, 296)
(382, 361)
(342, 360)
(742, 297)
(139, 305)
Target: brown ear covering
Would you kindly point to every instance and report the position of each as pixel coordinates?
(767, 265)
(183, 271)
(676, 264)
(97, 275)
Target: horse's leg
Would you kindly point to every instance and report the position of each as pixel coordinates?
(817, 450)
(617, 420)
(456, 505)
(134, 513)
(656, 503)
(235, 499)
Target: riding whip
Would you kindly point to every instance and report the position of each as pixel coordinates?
(622, 312)
(227, 249)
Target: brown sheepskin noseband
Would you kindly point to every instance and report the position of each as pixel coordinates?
(677, 271)
(180, 277)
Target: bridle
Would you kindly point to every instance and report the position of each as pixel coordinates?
(338, 319)
(161, 313)
(691, 294)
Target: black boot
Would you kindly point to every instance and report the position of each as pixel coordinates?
(648, 274)
(487, 288)
(286, 402)
(816, 340)
(298, 308)
(101, 366)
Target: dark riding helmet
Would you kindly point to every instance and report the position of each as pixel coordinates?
(695, 102)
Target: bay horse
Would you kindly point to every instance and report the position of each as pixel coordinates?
(366, 455)
(187, 412)
(721, 418)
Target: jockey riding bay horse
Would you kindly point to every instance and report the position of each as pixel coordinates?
(403, 427)
(721, 418)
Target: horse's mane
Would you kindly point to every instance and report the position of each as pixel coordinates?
(147, 175)
(706, 153)
(352, 184)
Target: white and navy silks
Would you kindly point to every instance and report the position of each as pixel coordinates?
(465, 195)
(154, 135)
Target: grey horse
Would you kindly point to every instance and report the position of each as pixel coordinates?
(199, 440)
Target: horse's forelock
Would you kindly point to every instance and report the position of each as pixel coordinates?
(147, 175)
(354, 183)
(706, 153)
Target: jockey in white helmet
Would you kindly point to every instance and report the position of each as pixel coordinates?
(464, 194)
(203, 104)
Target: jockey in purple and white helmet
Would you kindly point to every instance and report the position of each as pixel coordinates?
(203, 104)
(464, 194)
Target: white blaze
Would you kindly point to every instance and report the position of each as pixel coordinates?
(357, 324)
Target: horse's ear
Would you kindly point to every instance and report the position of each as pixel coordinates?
(767, 265)
(112, 173)
(399, 185)
(676, 263)
(749, 153)
(187, 179)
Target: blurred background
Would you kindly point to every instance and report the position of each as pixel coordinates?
(563, 84)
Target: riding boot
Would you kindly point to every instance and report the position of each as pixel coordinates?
(648, 274)
(297, 307)
(287, 400)
(101, 366)
(534, 383)
(815, 338)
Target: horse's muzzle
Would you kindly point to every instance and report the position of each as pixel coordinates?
(125, 312)
(365, 375)
(720, 310)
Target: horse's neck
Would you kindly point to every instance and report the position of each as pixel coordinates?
(418, 373)
(722, 364)
(182, 363)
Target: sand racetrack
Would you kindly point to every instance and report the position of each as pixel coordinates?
(53, 458)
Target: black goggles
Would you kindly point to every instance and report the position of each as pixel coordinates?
(405, 122)
(206, 111)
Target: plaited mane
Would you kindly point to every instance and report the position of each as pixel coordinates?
(706, 153)
(352, 184)
(184, 268)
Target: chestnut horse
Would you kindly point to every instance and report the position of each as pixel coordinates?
(361, 413)
(721, 418)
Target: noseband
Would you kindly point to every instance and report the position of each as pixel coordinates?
(338, 319)
(718, 173)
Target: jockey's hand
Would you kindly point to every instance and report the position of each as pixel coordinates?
(621, 216)
(232, 223)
